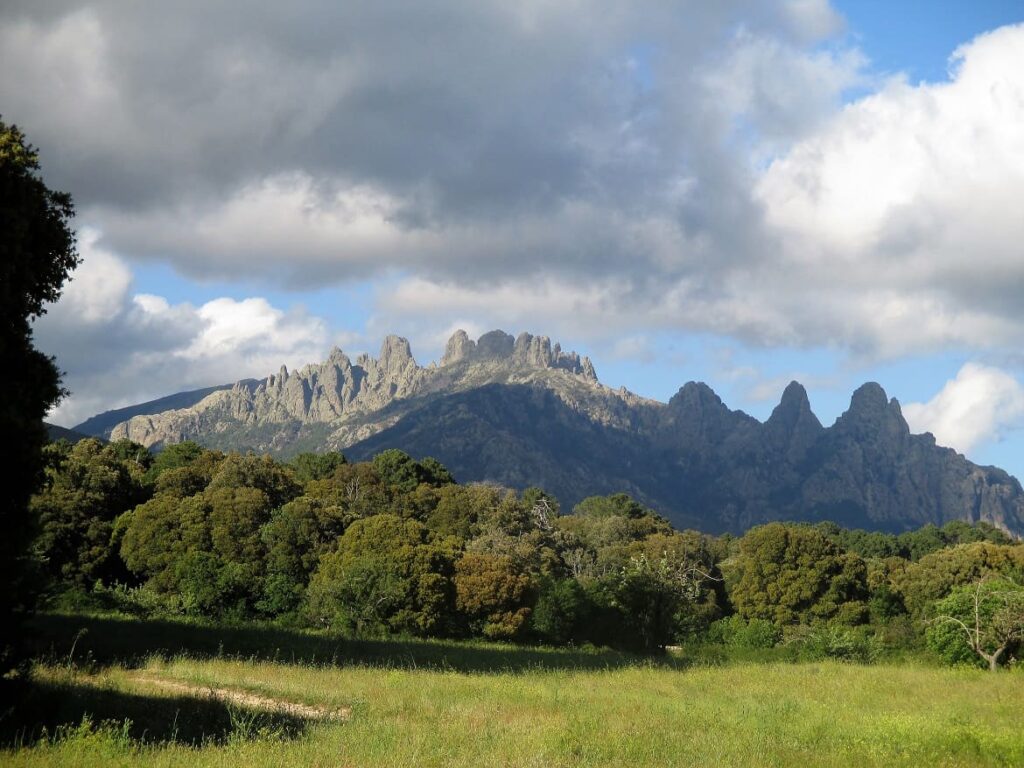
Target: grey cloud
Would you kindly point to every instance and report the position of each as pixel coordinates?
(470, 116)
(639, 153)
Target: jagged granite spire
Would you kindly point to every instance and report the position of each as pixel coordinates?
(460, 347)
(330, 392)
(872, 412)
(524, 351)
(793, 427)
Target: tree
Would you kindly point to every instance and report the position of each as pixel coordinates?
(403, 473)
(37, 254)
(653, 594)
(260, 472)
(989, 615)
(384, 574)
(316, 466)
(295, 538)
(87, 487)
(790, 574)
(561, 608)
(934, 575)
(174, 456)
(492, 592)
(398, 470)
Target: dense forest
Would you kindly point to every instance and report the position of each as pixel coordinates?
(397, 546)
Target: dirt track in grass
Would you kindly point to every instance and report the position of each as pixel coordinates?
(246, 699)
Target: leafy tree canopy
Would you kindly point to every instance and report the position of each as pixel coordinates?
(794, 574)
(37, 254)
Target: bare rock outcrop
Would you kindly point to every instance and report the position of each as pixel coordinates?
(337, 398)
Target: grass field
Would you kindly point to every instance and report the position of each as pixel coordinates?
(202, 696)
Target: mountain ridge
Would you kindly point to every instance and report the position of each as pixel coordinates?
(493, 408)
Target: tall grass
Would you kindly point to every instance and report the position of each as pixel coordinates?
(625, 712)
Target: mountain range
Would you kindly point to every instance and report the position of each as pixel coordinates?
(521, 411)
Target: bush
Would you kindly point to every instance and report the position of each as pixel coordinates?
(834, 642)
(561, 607)
(754, 634)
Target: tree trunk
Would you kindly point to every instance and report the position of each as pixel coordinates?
(993, 660)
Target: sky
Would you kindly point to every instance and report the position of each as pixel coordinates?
(741, 192)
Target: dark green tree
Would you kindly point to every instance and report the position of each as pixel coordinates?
(561, 610)
(791, 574)
(316, 466)
(172, 457)
(384, 573)
(398, 470)
(296, 537)
(37, 254)
(88, 486)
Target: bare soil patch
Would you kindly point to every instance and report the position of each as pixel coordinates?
(247, 699)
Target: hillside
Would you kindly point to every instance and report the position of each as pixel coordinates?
(101, 424)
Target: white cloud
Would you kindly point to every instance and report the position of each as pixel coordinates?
(96, 294)
(889, 228)
(118, 348)
(905, 204)
(782, 91)
(980, 405)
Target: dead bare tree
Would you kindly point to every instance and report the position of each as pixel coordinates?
(542, 513)
(995, 619)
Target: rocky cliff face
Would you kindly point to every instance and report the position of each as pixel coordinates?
(333, 403)
(520, 411)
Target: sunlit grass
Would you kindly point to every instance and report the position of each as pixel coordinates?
(627, 714)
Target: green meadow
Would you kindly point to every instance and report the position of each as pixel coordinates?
(111, 692)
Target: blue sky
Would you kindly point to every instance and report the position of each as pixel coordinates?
(740, 193)
(917, 36)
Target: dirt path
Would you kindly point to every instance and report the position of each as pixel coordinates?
(246, 699)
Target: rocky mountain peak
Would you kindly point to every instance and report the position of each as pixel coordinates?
(523, 351)
(698, 415)
(460, 347)
(868, 399)
(533, 350)
(495, 344)
(872, 413)
(793, 408)
(395, 355)
(337, 357)
(588, 369)
(792, 424)
(696, 396)
(794, 397)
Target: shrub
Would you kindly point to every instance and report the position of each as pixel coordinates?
(834, 642)
(753, 634)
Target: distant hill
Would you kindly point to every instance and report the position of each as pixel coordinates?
(100, 425)
(63, 433)
(520, 411)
